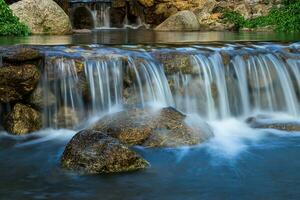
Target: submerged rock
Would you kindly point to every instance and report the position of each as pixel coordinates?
(17, 81)
(42, 17)
(181, 21)
(266, 122)
(95, 152)
(161, 128)
(22, 119)
(65, 117)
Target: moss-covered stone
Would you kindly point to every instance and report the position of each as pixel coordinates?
(95, 152)
(17, 81)
(162, 128)
(22, 119)
(20, 54)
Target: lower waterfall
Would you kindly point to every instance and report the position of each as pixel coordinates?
(212, 82)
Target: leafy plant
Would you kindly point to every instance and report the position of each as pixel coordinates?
(9, 23)
(285, 18)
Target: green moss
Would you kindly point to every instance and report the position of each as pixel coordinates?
(285, 18)
(9, 23)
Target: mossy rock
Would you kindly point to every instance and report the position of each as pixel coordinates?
(161, 128)
(94, 152)
(22, 119)
(17, 81)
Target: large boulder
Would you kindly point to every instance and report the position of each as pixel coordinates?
(42, 17)
(182, 21)
(17, 81)
(166, 127)
(95, 152)
(22, 119)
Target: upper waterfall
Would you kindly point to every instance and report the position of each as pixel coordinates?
(213, 82)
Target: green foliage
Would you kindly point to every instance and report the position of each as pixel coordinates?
(286, 18)
(10, 24)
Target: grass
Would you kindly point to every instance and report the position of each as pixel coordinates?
(284, 19)
(9, 23)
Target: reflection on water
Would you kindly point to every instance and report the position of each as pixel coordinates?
(129, 36)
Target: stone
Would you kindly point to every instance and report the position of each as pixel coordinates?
(161, 128)
(94, 152)
(204, 9)
(40, 99)
(66, 117)
(22, 119)
(17, 81)
(20, 54)
(146, 3)
(181, 21)
(175, 61)
(267, 122)
(42, 17)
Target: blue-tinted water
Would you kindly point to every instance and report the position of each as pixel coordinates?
(250, 165)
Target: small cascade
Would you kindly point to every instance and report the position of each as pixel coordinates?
(247, 83)
(215, 83)
(101, 15)
(93, 86)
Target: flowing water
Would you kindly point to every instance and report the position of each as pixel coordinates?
(222, 84)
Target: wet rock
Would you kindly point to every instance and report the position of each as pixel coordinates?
(20, 54)
(174, 62)
(95, 152)
(22, 120)
(42, 17)
(267, 122)
(162, 128)
(147, 3)
(41, 99)
(259, 78)
(17, 81)
(181, 21)
(66, 117)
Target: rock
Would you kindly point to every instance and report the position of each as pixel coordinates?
(42, 17)
(181, 21)
(205, 9)
(146, 3)
(17, 81)
(267, 122)
(64, 4)
(244, 9)
(20, 54)
(162, 128)
(66, 117)
(175, 61)
(41, 100)
(95, 152)
(22, 120)
(258, 77)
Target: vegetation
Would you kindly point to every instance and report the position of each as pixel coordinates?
(10, 24)
(285, 18)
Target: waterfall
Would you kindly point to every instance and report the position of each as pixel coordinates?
(95, 86)
(220, 83)
(101, 15)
